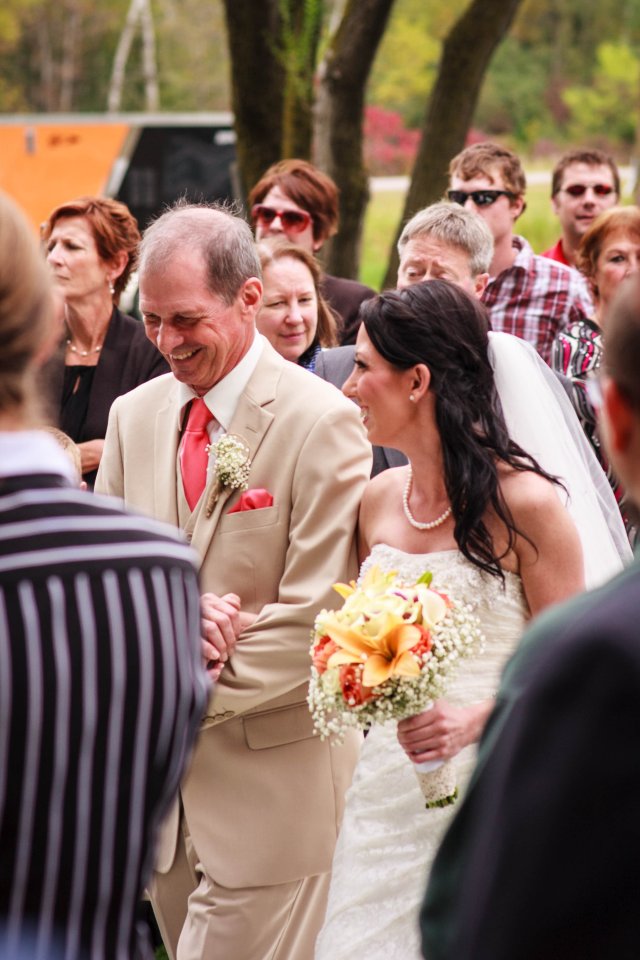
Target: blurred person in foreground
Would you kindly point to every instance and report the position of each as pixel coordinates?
(608, 255)
(91, 245)
(296, 200)
(584, 184)
(101, 685)
(527, 295)
(543, 857)
(294, 316)
(446, 242)
(263, 465)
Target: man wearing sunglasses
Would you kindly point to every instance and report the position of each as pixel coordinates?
(296, 201)
(529, 296)
(584, 184)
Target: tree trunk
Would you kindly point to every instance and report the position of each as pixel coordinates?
(114, 96)
(301, 27)
(69, 58)
(257, 85)
(343, 78)
(149, 60)
(47, 95)
(466, 54)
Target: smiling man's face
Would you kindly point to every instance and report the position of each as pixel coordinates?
(201, 337)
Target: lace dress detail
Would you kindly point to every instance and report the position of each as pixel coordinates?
(388, 839)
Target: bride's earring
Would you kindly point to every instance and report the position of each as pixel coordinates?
(412, 398)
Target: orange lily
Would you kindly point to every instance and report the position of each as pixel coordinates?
(384, 655)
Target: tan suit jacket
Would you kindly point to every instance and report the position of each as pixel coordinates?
(264, 795)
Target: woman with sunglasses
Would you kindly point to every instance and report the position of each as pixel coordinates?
(608, 253)
(296, 201)
(294, 316)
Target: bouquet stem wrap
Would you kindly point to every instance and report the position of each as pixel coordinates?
(437, 779)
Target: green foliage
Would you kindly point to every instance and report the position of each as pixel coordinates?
(405, 67)
(610, 102)
(552, 46)
(512, 94)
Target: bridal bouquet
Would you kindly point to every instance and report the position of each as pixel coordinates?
(385, 655)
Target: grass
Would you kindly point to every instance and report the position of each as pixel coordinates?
(538, 224)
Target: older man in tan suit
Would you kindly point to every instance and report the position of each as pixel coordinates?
(243, 868)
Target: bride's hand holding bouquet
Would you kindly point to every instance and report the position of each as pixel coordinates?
(385, 655)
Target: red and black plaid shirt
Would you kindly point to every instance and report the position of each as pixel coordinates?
(536, 298)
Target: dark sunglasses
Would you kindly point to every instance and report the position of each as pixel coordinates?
(579, 189)
(481, 198)
(294, 220)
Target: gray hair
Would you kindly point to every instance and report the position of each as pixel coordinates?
(454, 225)
(216, 232)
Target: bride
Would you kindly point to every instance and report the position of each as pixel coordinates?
(489, 522)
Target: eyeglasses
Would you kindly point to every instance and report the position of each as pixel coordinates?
(579, 189)
(293, 220)
(481, 198)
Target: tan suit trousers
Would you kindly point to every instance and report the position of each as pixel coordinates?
(279, 922)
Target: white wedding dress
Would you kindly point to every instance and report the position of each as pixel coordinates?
(388, 839)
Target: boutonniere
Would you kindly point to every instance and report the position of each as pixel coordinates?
(232, 466)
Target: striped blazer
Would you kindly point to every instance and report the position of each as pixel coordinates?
(101, 694)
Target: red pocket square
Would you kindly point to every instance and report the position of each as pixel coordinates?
(253, 500)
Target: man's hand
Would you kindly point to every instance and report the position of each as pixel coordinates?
(220, 629)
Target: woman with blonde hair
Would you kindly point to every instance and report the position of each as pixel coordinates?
(91, 245)
(294, 316)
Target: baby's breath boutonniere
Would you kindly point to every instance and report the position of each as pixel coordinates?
(232, 466)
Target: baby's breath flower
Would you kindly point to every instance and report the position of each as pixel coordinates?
(338, 698)
(233, 464)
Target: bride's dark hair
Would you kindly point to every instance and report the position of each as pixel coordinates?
(439, 324)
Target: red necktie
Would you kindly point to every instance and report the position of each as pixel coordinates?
(193, 453)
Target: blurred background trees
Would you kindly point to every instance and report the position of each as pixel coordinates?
(564, 73)
(567, 71)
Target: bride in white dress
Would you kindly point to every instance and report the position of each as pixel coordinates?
(479, 513)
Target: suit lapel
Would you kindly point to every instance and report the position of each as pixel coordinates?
(166, 451)
(251, 422)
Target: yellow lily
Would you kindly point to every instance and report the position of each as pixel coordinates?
(384, 655)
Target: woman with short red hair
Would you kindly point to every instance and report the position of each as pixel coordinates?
(91, 246)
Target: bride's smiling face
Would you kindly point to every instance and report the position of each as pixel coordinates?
(381, 391)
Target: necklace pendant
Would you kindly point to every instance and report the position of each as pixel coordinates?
(83, 353)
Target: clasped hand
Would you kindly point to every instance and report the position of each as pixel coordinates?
(220, 618)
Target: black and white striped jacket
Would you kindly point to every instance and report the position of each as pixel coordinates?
(101, 692)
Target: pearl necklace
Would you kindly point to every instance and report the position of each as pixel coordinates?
(407, 512)
(83, 353)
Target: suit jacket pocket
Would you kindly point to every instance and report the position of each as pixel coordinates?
(247, 520)
(274, 728)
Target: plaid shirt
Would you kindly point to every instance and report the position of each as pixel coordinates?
(536, 298)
